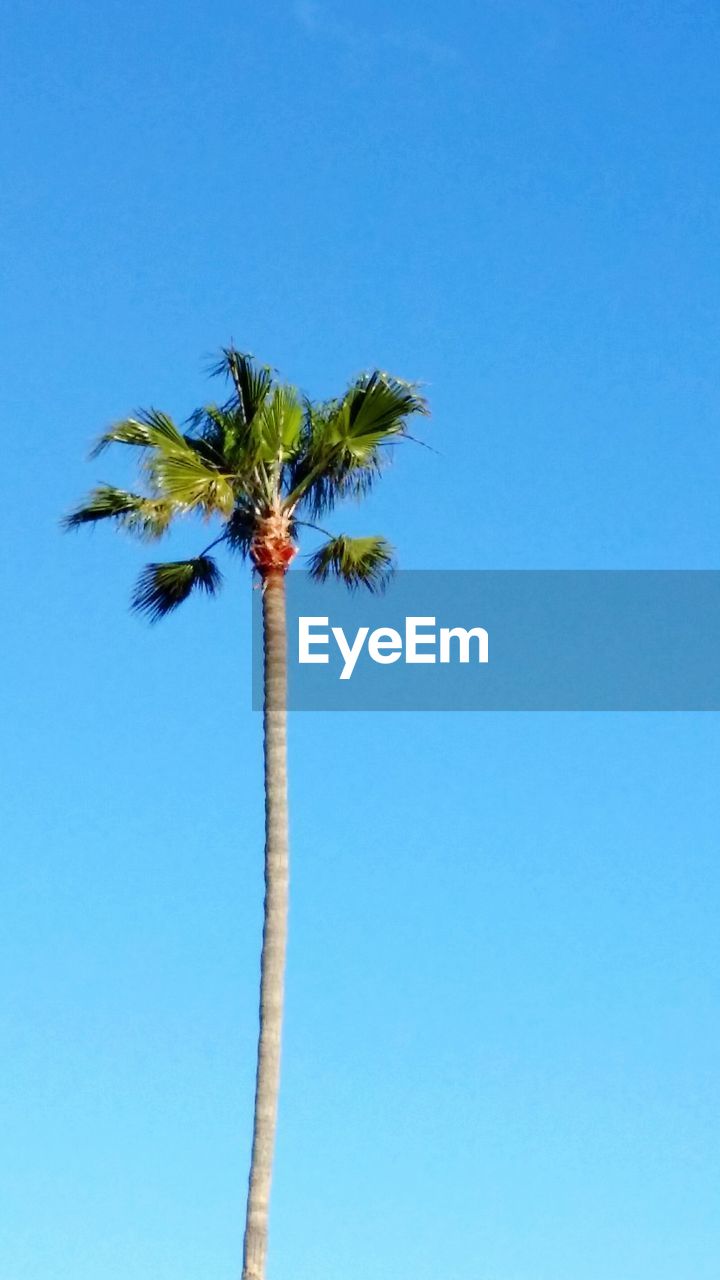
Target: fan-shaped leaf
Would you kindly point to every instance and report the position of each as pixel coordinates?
(162, 587)
(151, 429)
(276, 427)
(344, 441)
(251, 382)
(147, 517)
(360, 562)
(189, 482)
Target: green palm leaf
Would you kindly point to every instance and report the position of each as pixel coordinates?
(147, 517)
(150, 430)
(374, 410)
(345, 441)
(191, 483)
(252, 382)
(162, 587)
(276, 428)
(378, 405)
(359, 562)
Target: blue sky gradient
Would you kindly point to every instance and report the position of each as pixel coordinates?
(501, 1058)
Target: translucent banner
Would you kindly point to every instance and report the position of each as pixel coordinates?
(557, 640)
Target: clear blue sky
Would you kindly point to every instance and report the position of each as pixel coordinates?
(501, 1059)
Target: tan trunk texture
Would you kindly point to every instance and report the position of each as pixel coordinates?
(272, 964)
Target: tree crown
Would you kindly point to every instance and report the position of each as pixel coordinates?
(265, 462)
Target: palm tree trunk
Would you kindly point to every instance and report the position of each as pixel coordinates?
(272, 964)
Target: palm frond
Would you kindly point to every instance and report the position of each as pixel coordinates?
(379, 405)
(374, 410)
(277, 426)
(150, 429)
(191, 483)
(344, 445)
(162, 587)
(359, 562)
(252, 382)
(147, 517)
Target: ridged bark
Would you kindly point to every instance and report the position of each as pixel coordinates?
(272, 964)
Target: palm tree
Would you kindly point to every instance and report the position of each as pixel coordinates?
(259, 463)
